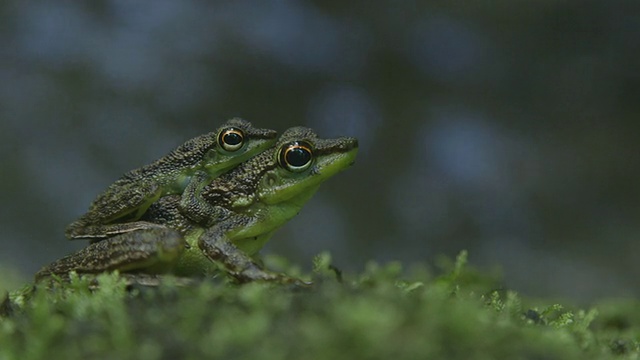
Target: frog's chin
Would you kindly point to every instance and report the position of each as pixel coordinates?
(266, 219)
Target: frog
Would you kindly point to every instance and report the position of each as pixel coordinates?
(242, 209)
(118, 209)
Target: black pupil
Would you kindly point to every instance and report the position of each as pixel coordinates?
(298, 157)
(232, 138)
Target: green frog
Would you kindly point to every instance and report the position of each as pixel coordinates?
(119, 208)
(240, 212)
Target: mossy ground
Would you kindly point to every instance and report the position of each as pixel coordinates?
(383, 313)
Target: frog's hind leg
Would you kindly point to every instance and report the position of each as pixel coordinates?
(115, 213)
(150, 251)
(98, 232)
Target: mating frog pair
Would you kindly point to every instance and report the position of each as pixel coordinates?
(217, 199)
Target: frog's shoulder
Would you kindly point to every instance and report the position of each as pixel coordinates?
(241, 181)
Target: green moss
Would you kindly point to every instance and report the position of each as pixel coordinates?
(383, 312)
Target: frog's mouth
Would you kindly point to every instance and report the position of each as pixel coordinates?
(331, 163)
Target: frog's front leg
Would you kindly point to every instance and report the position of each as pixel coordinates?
(150, 251)
(192, 203)
(217, 245)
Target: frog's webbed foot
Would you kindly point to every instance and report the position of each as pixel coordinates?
(258, 274)
(137, 280)
(152, 250)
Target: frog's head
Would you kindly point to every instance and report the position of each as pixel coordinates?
(303, 162)
(272, 187)
(236, 141)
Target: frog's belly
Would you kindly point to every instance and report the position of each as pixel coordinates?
(192, 262)
(266, 220)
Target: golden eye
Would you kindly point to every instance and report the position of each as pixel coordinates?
(231, 139)
(296, 156)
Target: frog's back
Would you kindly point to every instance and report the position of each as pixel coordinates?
(208, 155)
(128, 197)
(183, 159)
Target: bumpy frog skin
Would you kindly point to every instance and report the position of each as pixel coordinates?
(241, 211)
(185, 170)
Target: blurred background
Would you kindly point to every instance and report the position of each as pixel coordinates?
(506, 128)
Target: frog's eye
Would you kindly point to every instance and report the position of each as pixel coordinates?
(296, 156)
(231, 139)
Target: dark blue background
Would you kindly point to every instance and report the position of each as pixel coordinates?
(507, 128)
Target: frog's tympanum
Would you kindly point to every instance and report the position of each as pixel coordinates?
(183, 171)
(241, 210)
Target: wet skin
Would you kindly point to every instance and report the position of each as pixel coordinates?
(184, 171)
(241, 210)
